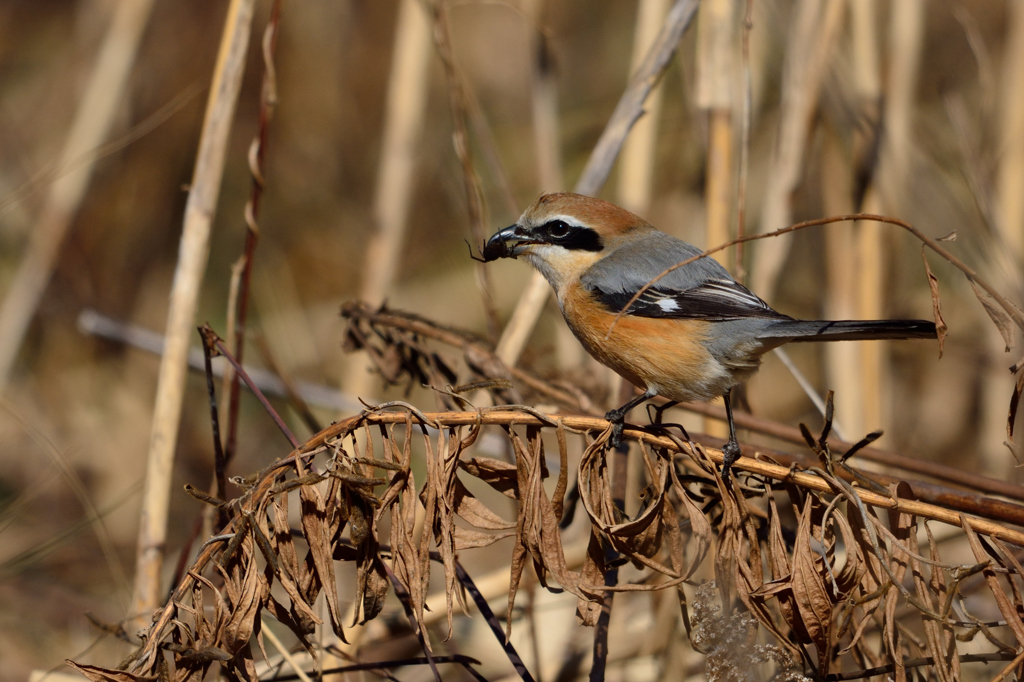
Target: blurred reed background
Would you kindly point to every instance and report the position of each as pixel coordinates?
(908, 108)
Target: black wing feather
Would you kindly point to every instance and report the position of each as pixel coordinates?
(715, 300)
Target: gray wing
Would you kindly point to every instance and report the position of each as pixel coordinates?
(702, 289)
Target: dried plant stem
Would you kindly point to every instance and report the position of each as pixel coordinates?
(276, 642)
(636, 165)
(547, 146)
(812, 39)
(1011, 153)
(547, 140)
(630, 106)
(842, 360)
(716, 79)
(906, 31)
(239, 315)
(460, 137)
(550, 392)
(524, 318)
(100, 103)
(192, 258)
(403, 125)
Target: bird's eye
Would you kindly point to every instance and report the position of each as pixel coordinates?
(557, 229)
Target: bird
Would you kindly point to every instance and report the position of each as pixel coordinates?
(694, 335)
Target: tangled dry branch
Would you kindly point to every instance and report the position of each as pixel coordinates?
(816, 562)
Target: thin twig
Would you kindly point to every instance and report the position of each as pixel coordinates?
(212, 339)
(493, 623)
(257, 165)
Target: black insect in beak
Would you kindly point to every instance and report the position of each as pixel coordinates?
(503, 244)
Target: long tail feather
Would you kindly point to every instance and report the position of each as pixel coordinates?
(849, 330)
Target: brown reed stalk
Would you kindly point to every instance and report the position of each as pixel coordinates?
(638, 158)
(855, 261)
(872, 256)
(906, 31)
(403, 125)
(475, 205)
(547, 145)
(842, 360)
(811, 41)
(238, 315)
(1011, 136)
(716, 82)
(192, 257)
(94, 117)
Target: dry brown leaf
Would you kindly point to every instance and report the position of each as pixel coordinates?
(853, 570)
(98, 674)
(999, 317)
(1018, 389)
(466, 538)
(778, 564)
(475, 512)
(933, 287)
(244, 608)
(318, 537)
(499, 475)
(811, 595)
(902, 527)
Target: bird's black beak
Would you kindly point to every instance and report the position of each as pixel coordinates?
(505, 244)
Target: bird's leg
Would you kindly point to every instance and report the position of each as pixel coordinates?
(618, 416)
(731, 450)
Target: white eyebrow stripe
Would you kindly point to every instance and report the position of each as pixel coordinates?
(567, 219)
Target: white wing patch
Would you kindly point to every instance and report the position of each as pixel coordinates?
(668, 305)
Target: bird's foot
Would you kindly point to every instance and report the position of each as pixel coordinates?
(618, 422)
(731, 452)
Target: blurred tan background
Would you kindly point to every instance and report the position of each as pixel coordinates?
(913, 109)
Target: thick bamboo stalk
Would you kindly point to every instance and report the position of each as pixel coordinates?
(812, 39)
(636, 165)
(906, 32)
(103, 95)
(547, 145)
(403, 125)
(716, 82)
(193, 253)
(842, 360)
(1011, 153)
(853, 257)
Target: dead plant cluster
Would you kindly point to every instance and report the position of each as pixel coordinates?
(780, 573)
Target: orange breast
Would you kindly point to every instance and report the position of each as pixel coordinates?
(665, 354)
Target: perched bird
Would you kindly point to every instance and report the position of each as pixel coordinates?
(694, 335)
